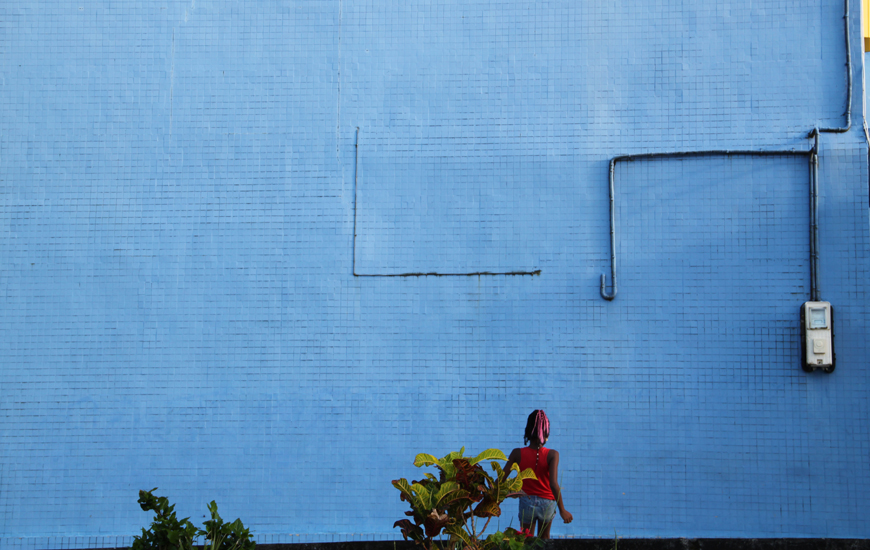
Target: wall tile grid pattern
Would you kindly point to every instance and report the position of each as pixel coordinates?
(178, 191)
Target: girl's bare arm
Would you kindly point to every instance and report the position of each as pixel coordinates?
(513, 458)
(553, 464)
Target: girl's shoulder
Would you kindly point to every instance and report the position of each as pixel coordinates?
(516, 455)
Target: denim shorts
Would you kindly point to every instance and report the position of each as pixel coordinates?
(536, 508)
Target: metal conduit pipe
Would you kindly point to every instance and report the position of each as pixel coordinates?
(815, 293)
(643, 156)
(604, 294)
(814, 179)
(848, 112)
(355, 182)
(814, 163)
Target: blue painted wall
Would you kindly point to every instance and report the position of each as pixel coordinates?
(179, 187)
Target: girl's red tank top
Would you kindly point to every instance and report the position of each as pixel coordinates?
(536, 487)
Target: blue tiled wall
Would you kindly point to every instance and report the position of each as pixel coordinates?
(187, 189)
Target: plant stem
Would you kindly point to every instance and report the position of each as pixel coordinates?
(482, 531)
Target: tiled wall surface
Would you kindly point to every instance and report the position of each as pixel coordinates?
(180, 184)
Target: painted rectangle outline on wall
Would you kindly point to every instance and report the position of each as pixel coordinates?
(510, 273)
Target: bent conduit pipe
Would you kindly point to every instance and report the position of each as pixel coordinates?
(812, 153)
(848, 113)
(814, 178)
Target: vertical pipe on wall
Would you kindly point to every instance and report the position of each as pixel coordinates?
(814, 175)
(814, 179)
(848, 112)
(604, 294)
(814, 219)
(355, 181)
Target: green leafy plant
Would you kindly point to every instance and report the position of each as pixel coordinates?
(169, 533)
(225, 536)
(457, 501)
(511, 539)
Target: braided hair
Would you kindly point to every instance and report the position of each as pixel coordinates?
(537, 427)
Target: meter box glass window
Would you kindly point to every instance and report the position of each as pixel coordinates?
(817, 336)
(818, 317)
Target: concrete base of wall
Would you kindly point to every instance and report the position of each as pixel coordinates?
(624, 544)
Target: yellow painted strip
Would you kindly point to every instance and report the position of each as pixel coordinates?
(865, 23)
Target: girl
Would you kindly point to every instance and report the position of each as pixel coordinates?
(542, 495)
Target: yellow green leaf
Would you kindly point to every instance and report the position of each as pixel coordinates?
(489, 454)
(446, 487)
(528, 473)
(423, 495)
(457, 531)
(402, 485)
(425, 459)
(514, 485)
(488, 507)
(444, 500)
(449, 471)
(448, 459)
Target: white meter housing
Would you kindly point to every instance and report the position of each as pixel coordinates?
(817, 336)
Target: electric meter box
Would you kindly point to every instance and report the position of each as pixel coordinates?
(817, 336)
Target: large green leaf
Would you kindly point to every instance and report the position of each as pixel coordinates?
(449, 471)
(456, 500)
(457, 531)
(403, 485)
(445, 488)
(528, 473)
(424, 496)
(488, 507)
(449, 493)
(489, 454)
(514, 485)
(424, 459)
(510, 487)
(449, 458)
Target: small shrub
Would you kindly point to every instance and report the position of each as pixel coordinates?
(459, 499)
(511, 539)
(169, 533)
(225, 536)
